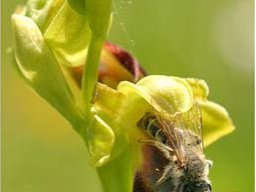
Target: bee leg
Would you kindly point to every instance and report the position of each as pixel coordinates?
(156, 144)
(149, 142)
(166, 150)
(164, 175)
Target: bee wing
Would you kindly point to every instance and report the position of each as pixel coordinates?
(183, 131)
(174, 137)
(191, 125)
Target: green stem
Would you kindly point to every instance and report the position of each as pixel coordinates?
(90, 73)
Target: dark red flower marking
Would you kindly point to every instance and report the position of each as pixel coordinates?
(127, 60)
(125, 67)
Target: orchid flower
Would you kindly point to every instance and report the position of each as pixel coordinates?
(60, 50)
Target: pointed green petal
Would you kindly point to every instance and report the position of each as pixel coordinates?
(39, 68)
(216, 121)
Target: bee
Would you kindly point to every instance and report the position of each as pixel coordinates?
(174, 160)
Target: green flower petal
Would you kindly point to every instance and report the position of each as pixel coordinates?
(39, 68)
(216, 121)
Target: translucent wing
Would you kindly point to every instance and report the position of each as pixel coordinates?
(174, 137)
(183, 132)
(191, 125)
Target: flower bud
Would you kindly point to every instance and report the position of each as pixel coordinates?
(38, 67)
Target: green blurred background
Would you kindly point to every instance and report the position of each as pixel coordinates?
(208, 39)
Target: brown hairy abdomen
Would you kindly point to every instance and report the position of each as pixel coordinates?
(139, 184)
(151, 169)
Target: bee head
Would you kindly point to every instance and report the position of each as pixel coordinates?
(197, 186)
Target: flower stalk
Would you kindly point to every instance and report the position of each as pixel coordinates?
(90, 74)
